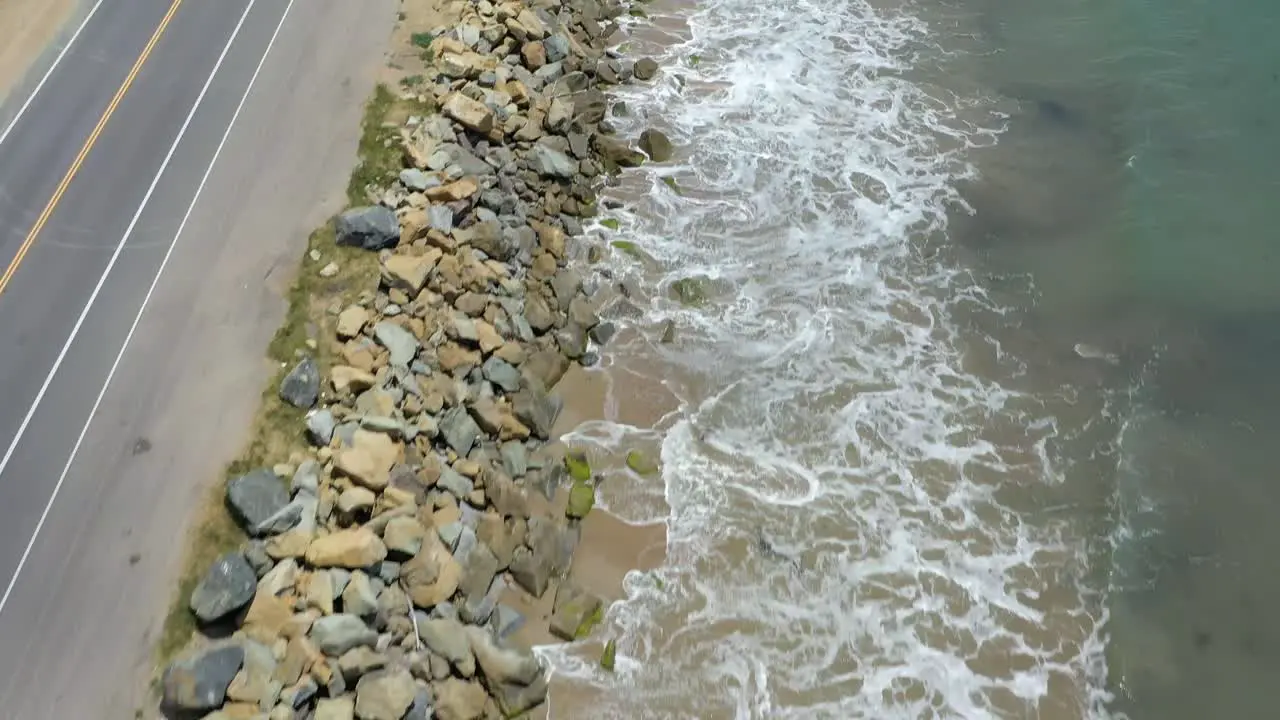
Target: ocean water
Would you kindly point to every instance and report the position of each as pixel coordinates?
(975, 401)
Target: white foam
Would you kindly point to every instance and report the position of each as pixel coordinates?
(825, 401)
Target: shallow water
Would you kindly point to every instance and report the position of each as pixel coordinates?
(983, 350)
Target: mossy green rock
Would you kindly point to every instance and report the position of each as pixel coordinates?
(610, 655)
(582, 497)
(668, 333)
(611, 223)
(690, 291)
(671, 183)
(656, 145)
(640, 464)
(575, 462)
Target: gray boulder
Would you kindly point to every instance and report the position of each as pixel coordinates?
(547, 161)
(336, 634)
(401, 345)
(301, 387)
(372, 228)
(227, 586)
(255, 497)
(198, 681)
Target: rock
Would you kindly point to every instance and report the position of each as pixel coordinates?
(255, 684)
(199, 680)
(575, 612)
(645, 68)
(329, 270)
(582, 497)
(508, 673)
(400, 343)
(549, 552)
(414, 179)
(549, 162)
(479, 568)
(299, 513)
(320, 426)
(459, 430)
(403, 536)
(447, 638)
(227, 586)
(355, 548)
(656, 145)
(534, 54)
(385, 695)
(336, 634)
(369, 227)
(610, 655)
(345, 378)
(360, 661)
(343, 708)
(433, 575)
(469, 113)
(458, 700)
(408, 272)
(615, 151)
(301, 387)
(255, 497)
(317, 591)
(356, 499)
(538, 410)
(358, 597)
(351, 322)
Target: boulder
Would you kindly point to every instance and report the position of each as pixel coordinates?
(199, 680)
(549, 162)
(227, 586)
(468, 113)
(355, 548)
(575, 612)
(371, 227)
(385, 695)
(342, 708)
(459, 700)
(447, 638)
(656, 145)
(400, 343)
(256, 496)
(301, 387)
(645, 68)
(336, 634)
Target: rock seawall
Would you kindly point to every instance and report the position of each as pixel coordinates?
(372, 585)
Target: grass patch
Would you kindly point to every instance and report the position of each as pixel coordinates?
(381, 155)
(277, 432)
(422, 40)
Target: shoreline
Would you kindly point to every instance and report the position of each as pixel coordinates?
(430, 361)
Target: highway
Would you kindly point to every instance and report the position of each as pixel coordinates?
(156, 193)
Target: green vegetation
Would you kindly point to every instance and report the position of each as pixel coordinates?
(277, 432)
(611, 223)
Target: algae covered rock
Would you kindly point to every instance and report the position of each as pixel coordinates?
(576, 463)
(640, 464)
(610, 655)
(582, 497)
(692, 291)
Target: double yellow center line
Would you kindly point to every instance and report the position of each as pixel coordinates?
(88, 145)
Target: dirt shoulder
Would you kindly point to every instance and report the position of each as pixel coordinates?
(29, 26)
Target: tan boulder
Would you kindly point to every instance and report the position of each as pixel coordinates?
(355, 548)
(469, 113)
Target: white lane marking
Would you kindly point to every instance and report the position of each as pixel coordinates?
(65, 49)
(26, 553)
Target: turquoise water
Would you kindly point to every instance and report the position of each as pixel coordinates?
(1150, 230)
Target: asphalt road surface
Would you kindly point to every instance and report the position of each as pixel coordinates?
(155, 195)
